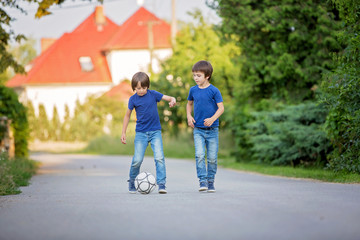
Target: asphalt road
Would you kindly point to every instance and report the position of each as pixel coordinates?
(85, 197)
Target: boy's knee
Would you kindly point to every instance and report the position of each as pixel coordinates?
(160, 160)
(212, 154)
(136, 163)
(212, 160)
(200, 156)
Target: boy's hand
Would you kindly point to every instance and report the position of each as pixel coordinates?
(172, 103)
(123, 138)
(191, 121)
(208, 122)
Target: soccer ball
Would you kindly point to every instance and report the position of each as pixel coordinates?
(145, 183)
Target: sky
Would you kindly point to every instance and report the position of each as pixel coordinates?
(70, 14)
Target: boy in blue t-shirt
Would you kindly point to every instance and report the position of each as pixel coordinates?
(148, 128)
(208, 107)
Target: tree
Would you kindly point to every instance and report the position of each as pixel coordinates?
(8, 35)
(23, 53)
(65, 126)
(196, 41)
(286, 48)
(342, 96)
(30, 112)
(285, 44)
(55, 126)
(16, 112)
(43, 126)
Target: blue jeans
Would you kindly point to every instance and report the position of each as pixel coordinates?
(206, 139)
(142, 140)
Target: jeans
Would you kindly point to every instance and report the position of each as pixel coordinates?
(206, 138)
(142, 139)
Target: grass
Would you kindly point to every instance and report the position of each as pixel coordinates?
(183, 147)
(15, 173)
(293, 172)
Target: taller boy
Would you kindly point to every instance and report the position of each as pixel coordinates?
(208, 107)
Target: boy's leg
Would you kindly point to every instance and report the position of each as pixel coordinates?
(157, 147)
(140, 144)
(212, 146)
(199, 142)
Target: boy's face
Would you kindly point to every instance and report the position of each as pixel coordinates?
(200, 79)
(141, 91)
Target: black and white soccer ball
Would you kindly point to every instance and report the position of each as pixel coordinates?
(145, 183)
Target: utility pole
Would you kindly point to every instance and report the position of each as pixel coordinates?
(150, 25)
(173, 22)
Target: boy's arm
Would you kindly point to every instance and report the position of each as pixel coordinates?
(171, 100)
(209, 121)
(189, 108)
(125, 124)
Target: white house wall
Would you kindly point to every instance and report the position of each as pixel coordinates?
(62, 95)
(124, 64)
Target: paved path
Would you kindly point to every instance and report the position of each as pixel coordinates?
(85, 197)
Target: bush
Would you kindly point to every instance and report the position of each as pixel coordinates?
(14, 110)
(292, 135)
(341, 92)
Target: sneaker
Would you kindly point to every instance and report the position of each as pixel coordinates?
(211, 187)
(203, 187)
(132, 188)
(162, 189)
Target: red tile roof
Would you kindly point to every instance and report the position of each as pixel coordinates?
(60, 62)
(121, 92)
(133, 33)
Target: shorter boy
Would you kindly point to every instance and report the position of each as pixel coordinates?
(208, 107)
(148, 128)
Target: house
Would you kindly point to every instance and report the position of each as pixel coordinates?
(140, 41)
(91, 60)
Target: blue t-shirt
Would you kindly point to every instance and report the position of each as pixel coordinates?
(205, 104)
(146, 110)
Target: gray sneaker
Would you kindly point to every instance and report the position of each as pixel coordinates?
(203, 187)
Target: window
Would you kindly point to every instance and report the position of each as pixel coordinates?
(86, 64)
(28, 67)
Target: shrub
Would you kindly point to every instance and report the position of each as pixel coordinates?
(292, 135)
(14, 110)
(341, 92)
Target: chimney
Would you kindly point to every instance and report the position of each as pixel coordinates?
(100, 19)
(46, 43)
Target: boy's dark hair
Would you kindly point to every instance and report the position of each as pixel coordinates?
(141, 77)
(203, 66)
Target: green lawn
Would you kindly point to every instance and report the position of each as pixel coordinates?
(183, 147)
(17, 172)
(297, 172)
